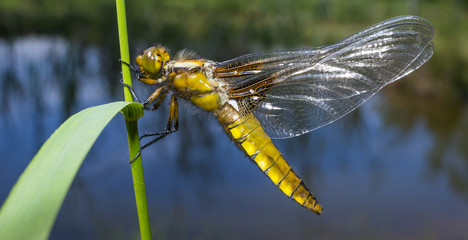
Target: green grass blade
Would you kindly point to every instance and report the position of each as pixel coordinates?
(30, 210)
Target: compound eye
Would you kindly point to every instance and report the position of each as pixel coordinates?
(152, 61)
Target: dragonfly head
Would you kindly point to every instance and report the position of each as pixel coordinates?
(152, 61)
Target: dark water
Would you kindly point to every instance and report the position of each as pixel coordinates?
(397, 168)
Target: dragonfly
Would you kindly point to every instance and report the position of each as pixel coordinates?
(282, 94)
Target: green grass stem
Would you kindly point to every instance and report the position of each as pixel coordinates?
(132, 128)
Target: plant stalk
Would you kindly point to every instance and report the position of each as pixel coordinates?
(132, 128)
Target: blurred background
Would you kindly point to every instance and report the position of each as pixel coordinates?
(395, 168)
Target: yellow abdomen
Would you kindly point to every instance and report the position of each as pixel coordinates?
(249, 135)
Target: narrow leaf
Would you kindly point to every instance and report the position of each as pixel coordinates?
(33, 204)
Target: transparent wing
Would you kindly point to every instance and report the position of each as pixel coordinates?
(293, 92)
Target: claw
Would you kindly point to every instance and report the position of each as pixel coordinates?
(135, 158)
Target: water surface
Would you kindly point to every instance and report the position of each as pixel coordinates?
(395, 168)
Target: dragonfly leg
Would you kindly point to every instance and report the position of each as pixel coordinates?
(159, 95)
(172, 122)
(134, 72)
(135, 97)
(149, 81)
(172, 126)
(146, 145)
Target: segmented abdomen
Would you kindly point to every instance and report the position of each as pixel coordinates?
(249, 135)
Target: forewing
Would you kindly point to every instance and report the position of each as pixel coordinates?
(294, 92)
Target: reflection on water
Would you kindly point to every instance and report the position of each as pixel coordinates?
(447, 121)
(395, 168)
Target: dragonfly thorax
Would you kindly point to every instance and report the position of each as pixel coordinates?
(190, 79)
